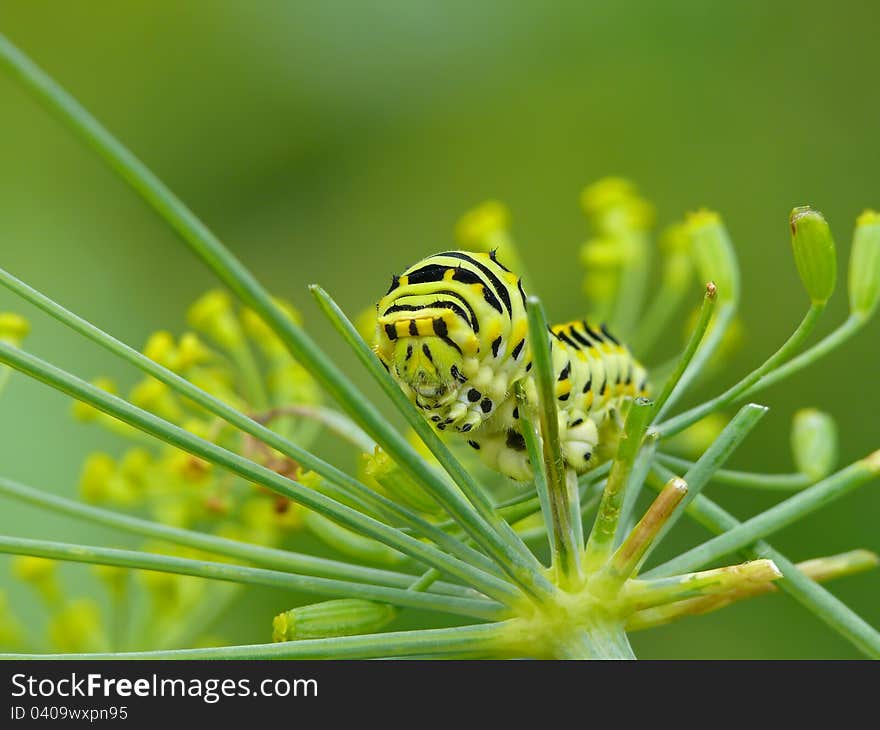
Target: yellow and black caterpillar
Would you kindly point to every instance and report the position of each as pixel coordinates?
(452, 331)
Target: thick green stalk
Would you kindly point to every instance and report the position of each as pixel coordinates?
(601, 541)
(640, 468)
(776, 518)
(641, 594)
(626, 559)
(360, 494)
(818, 569)
(437, 643)
(470, 506)
(253, 472)
(805, 591)
(264, 557)
(231, 271)
(740, 390)
(565, 523)
(474, 607)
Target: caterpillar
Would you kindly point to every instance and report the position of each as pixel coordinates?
(452, 332)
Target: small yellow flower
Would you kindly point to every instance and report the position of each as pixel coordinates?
(161, 349)
(13, 328)
(156, 397)
(213, 315)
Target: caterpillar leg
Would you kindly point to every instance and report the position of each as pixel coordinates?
(505, 452)
(579, 437)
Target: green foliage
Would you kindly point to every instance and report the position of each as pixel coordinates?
(582, 606)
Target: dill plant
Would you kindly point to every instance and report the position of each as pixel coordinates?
(237, 434)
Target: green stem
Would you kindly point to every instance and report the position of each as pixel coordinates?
(707, 309)
(698, 476)
(564, 511)
(740, 390)
(601, 541)
(747, 480)
(533, 447)
(253, 472)
(805, 591)
(358, 493)
(474, 607)
(641, 467)
(774, 519)
(641, 594)
(725, 315)
(626, 559)
(265, 557)
(831, 342)
(427, 642)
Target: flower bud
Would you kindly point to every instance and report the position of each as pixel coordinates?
(160, 348)
(260, 332)
(101, 482)
(192, 351)
(382, 469)
(13, 328)
(342, 617)
(714, 253)
(864, 265)
(678, 266)
(814, 443)
(614, 206)
(156, 397)
(213, 314)
(41, 574)
(814, 253)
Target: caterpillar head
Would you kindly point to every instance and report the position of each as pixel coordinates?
(421, 357)
(451, 331)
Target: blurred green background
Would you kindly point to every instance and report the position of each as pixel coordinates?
(338, 142)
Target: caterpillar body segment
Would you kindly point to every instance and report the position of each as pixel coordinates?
(452, 331)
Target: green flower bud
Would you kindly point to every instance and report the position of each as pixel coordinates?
(864, 265)
(678, 265)
(382, 469)
(814, 443)
(714, 253)
(343, 617)
(814, 253)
